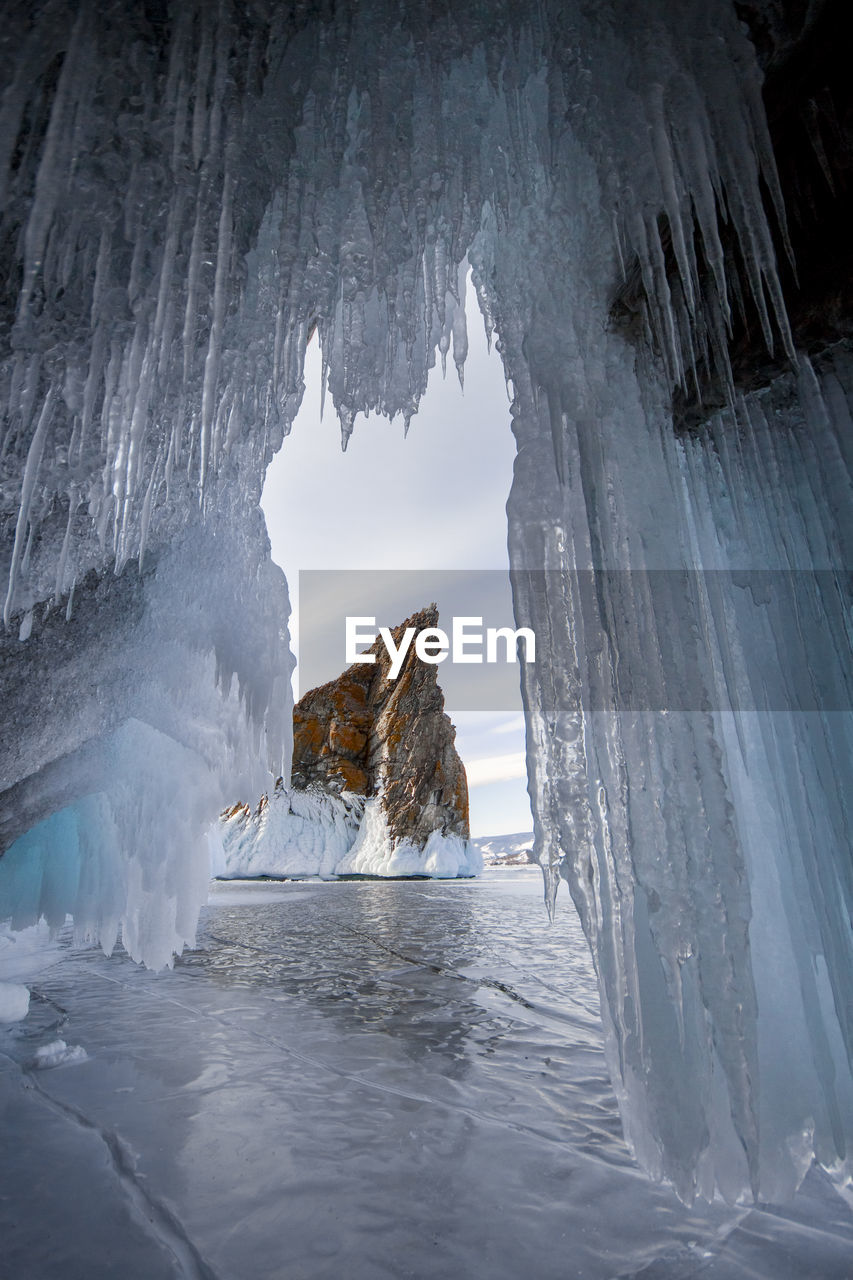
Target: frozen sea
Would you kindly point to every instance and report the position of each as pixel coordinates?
(359, 1080)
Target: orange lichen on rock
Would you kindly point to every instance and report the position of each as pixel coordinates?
(347, 737)
(354, 778)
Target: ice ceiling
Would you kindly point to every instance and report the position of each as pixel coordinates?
(188, 191)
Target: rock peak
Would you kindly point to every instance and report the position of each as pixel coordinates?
(375, 736)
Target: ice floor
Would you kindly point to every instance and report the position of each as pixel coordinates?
(354, 1080)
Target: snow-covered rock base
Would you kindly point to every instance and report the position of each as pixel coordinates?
(311, 833)
(296, 833)
(375, 853)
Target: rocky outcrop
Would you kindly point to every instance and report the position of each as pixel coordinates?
(331, 730)
(374, 736)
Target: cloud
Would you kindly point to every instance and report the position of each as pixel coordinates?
(515, 725)
(496, 769)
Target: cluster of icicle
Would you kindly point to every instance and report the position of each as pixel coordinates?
(191, 190)
(184, 203)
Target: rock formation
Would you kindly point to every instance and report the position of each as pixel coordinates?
(375, 736)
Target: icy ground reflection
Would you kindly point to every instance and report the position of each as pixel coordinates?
(358, 1079)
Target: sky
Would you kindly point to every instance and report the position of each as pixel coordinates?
(409, 504)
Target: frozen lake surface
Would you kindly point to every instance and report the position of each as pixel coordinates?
(359, 1079)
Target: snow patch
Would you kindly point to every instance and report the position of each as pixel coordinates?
(58, 1054)
(24, 953)
(374, 853)
(14, 1002)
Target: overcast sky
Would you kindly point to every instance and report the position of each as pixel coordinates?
(434, 500)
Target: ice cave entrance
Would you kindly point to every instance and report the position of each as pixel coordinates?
(432, 498)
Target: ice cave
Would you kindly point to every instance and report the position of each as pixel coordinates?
(654, 202)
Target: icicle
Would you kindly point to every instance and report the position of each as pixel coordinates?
(49, 178)
(22, 392)
(671, 201)
(59, 590)
(167, 268)
(705, 207)
(347, 418)
(12, 109)
(94, 379)
(211, 363)
(193, 274)
(460, 324)
(28, 483)
(220, 79)
(145, 518)
(204, 63)
(617, 240)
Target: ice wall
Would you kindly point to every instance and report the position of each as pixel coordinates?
(163, 691)
(189, 190)
(689, 748)
(689, 738)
